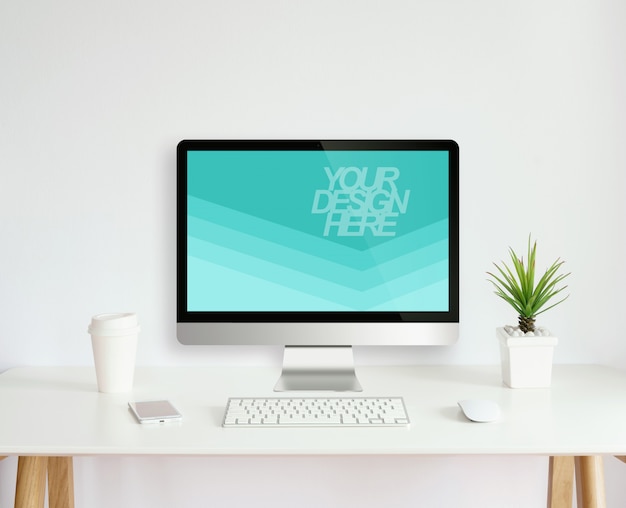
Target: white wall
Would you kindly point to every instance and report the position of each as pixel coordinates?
(94, 97)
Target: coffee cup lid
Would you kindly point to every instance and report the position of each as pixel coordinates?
(113, 322)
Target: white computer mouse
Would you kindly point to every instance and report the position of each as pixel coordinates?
(480, 410)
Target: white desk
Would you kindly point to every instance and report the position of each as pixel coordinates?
(57, 412)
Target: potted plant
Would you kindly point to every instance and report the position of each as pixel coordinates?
(527, 350)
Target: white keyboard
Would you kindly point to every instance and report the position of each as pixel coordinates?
(316, 412)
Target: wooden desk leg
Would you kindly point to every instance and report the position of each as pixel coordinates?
(30, 490)
(590, 482)
(60, 482)
(561, 482)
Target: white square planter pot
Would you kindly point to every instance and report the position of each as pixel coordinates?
(526, 361)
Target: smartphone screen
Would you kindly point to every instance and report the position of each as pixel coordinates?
(154, 411)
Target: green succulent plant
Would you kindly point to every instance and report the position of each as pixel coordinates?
(516, 285)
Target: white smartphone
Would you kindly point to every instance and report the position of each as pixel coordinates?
(155, 411)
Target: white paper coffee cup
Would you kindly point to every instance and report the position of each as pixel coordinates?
(114, 341)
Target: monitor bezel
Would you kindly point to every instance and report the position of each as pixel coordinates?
(276, 317)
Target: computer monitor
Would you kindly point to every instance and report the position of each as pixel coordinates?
(318, 246)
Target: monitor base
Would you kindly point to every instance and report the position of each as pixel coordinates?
(318, 368)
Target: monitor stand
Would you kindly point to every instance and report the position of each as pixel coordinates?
(318, 368)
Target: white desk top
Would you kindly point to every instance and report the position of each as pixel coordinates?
(58, 411)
